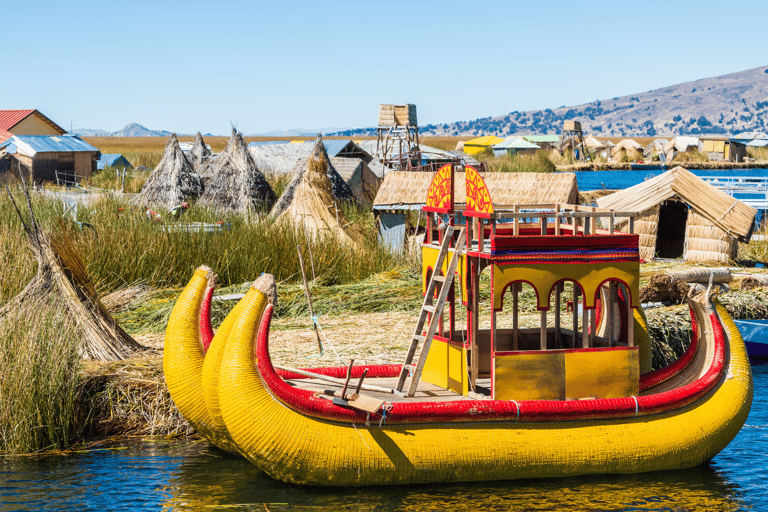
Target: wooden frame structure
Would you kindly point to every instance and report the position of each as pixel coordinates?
(546, 246)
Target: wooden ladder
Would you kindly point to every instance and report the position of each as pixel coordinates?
(429, 307)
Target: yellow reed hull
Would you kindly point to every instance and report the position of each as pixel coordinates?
(300, 449)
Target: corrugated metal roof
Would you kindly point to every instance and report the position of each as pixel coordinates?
(266, 143)
(111, 160)
(30, 145)
(10, 118)
(334, 147)
(485, 140)
(541, 138)
(747, 136)
(515, 143)
(760, 143)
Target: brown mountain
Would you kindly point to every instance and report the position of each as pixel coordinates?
(723, 105)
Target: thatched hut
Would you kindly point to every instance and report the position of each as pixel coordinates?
(627, 149)
(402, 194)
(680, 145)
(683, 216)
(655, 148)
(236, 184)
(311, 199)
(173, 181)
(360, 178)
(200, 153)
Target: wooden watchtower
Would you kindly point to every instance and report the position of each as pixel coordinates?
(397, 137)
(572, 132)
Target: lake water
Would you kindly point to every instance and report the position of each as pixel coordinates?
(192, 476)
(614, 180)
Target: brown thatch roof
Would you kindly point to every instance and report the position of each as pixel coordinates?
(359, 176)
(309, 198)
(409, 189)
(339, 187)
(236, 183)
(721, 209)
(199, 153)
(173, 181)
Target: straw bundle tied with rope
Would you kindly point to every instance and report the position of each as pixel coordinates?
(173, 181)
(63, 282)
(236, 184)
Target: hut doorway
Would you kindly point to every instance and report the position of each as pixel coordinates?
(670, 239)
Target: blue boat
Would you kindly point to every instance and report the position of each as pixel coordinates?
(755, 335)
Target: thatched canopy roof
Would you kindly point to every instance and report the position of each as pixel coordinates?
(593, 144)
(173, 181)
(309, 199)
(359, 176)
(278, 158)
(339, 187)
(626, 145)
(236, 183)
(408, 190)
(721, 209)
(199, 153)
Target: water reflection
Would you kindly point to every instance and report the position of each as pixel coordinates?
(193, 476)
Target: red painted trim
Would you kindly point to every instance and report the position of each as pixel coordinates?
(656, 377)
(206, 329)
(307, 402)
(435, 209)
(443, 339)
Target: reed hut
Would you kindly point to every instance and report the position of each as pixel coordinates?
(173, 181)
(682, 216)
(627, 149)
(236, 184)
(403, 193)
(200, 152)
(360, 178)
(311, 201)
(680, 145)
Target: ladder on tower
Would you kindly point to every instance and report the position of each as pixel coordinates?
(431, 306)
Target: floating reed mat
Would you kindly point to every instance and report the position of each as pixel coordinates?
(63, 282)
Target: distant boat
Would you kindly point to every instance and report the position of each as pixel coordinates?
(755, 335)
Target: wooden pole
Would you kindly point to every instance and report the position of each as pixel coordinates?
(543, 331)
(367, 387)
(515, 315)
(575, 314)
(309, 299)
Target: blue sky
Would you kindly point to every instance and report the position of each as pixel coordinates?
(262, 66)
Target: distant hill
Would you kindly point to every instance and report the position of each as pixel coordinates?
(130, 130)
(722, 105)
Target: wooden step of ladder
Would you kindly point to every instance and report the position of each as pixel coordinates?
(429, 307)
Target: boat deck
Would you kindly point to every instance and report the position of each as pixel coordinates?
(425, 392)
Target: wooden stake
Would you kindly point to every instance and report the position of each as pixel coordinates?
(309, 299)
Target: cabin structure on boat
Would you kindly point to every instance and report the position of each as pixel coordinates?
(553, 252)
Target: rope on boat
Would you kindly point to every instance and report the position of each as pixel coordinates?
(637, 406)
(517, 406)
(361, 438)
(316, 322)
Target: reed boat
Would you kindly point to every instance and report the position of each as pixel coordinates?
(479, 396)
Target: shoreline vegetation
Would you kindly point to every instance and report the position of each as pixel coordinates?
(367, 300)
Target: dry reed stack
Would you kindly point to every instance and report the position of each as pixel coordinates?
(173, 181)
(200, 153)
(62, 281)
(309, 199)
(236, 184)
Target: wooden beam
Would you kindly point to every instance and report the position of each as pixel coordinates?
(543, 331)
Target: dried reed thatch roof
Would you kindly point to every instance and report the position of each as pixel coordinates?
(279, 158)
(173, 181)
(236, 183)
(360, 178)
(409, 189)
(627, 145)
(62, 282)
(310, 201)
(199, 153)
(722, 210)
(339, 187)
(593, 144)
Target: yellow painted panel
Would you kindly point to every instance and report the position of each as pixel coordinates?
(544, 276)
(34, 125)
(446, 367)
(530, 376)
(428, 259)
(600, 373)
(727, 152)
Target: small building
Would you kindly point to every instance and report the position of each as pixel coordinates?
(480, 144)
(58, 158)
(543, 141)
(26, 122)
(113, 161)
(716, 148)
(627, 149)
(515, 146)
(403, 193)
(682, 145)
(682, 216)
(360, 178)
(655, 148)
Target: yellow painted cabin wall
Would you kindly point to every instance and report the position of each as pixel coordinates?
(34, 125)
(446, 366)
